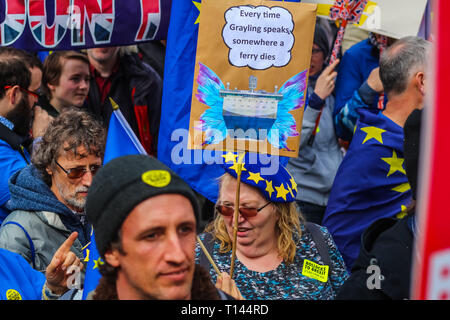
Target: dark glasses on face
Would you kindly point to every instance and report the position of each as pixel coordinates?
(245, 212)
(78, 172)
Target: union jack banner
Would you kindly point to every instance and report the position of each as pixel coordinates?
(14, 23)
(349, 10)
(76, 24)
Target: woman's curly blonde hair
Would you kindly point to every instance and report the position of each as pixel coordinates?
(286, 227)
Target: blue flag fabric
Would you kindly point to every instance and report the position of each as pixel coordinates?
(199, 168)
(370, 184)
(120, 141)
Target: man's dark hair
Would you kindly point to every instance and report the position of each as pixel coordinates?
(401, 61)
(13, 71)
(73, 128)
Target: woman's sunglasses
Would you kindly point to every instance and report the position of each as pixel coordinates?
(245, 212)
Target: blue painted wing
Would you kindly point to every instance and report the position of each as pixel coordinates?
(293, 92)
(211, 120)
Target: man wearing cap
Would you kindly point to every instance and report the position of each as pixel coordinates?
(145, 220)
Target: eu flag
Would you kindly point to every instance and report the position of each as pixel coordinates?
(370, 184)
(120, 141)
(199, 168)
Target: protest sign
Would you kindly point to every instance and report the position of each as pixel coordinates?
(250, 76)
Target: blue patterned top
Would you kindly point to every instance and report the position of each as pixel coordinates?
(286, 282)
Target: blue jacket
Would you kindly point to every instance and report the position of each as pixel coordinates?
(352, 90)
(10, 162)
(18, 281)
(47, 220)
(354, 69)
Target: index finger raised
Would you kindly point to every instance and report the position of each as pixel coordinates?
(65, 247)
(332, 66)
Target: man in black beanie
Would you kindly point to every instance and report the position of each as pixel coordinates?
(145, 220)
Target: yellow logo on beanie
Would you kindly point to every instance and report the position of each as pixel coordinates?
(156, 178)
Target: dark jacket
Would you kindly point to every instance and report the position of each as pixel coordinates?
(48, 221)
(137, 89)
(387, 244)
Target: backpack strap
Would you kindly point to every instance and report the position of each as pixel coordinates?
(13, 139)
(33, 252)
(321, 244)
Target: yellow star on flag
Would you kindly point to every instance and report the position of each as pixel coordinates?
(269, 188)
(230, 156)
(198, 5)
(256, 177)
(281, 192)
(98, 263)
(402, 187)
(235, 167)
(373, 133)
(395, 164)
(403, 213)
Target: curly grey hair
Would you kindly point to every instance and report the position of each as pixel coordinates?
(73, 128)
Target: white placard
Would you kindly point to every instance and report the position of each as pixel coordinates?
(392, 18)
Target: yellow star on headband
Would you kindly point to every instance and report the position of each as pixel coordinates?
(230, 156)
(290, 191)
(281, 192)
(395, 164)
(294, 184)
(98, 263)
(269, 188)
(256, 177)
(198, 5)
(373, 133)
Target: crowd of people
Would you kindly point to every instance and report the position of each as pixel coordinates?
(310, 230)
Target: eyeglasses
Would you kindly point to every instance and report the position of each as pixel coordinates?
(78, 172)
(316, 51)
(32, 93)
(245, 212)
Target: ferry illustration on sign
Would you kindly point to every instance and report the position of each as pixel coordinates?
(249, 114)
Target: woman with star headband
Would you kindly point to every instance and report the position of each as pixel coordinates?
(278, 254)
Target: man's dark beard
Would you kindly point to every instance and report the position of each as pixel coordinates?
(21, 117)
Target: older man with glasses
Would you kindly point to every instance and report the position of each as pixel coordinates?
(48, 197)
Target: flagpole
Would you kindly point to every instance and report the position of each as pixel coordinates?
(236, 213)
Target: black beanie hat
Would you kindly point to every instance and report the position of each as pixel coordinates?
(121, 185)
(321, 39)
(411, 145)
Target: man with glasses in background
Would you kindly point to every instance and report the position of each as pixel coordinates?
(48, 197)
(20, 79)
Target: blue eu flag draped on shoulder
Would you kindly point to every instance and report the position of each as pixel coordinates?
(196, 167)
(370, 184)
(120, 141)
